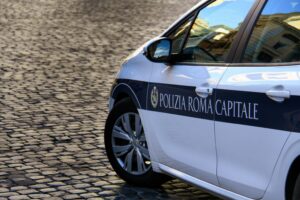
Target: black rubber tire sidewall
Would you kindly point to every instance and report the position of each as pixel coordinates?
(150, 178)
(296, 190)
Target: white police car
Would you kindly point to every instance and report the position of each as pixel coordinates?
(214, 101)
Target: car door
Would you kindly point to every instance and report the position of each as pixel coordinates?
(256, 100)
(180, 115)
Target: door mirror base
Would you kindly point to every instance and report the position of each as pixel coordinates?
(159, 50)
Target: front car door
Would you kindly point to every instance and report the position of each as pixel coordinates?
(180, 109)
(257, 99)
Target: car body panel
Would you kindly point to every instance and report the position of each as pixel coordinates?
(181, 133)
(246, 161)
(231, 156)
(290, 151)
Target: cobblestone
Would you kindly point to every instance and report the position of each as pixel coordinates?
(58, 59)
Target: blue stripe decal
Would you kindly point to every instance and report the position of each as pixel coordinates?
(139, 88)
(179, 100)
(238, 107)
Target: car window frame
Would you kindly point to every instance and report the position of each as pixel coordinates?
(191, 16)
(231, 57)
(240, 51)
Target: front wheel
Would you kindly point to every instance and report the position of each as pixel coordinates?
(127, 148)
(296, 190)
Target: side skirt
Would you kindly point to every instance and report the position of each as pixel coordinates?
(201, 184)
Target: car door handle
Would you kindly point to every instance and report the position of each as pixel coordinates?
(278, 95)
(204, 92)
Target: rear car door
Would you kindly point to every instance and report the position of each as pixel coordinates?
(257, 100)
(180, 115)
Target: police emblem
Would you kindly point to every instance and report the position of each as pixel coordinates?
(154, 97)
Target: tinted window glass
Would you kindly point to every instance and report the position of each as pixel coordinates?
(214, 30)
(276, 35)
(179, 35)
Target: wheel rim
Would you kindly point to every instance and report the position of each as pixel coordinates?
(129, 144)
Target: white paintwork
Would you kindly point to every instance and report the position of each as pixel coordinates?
(202, 184)
(247, 166)
(184, 143)
(253, 163)
(262, 79)
(136, 67)
(151, 139)
(249, 162)
(172, 143)
(248, 155)
(291, 150)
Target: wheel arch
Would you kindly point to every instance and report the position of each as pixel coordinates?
(122, 91)
(292, 175)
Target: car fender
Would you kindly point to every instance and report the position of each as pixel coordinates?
(291, 150)
(123, 88)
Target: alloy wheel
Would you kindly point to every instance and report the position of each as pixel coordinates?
(129, 144)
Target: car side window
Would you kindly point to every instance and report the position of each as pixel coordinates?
(179, 35)
(214, 30)
(276, 35)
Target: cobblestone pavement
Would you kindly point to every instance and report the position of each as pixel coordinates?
(58, 59)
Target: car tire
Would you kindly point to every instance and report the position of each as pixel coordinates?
(126, 146)
(296, 190)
